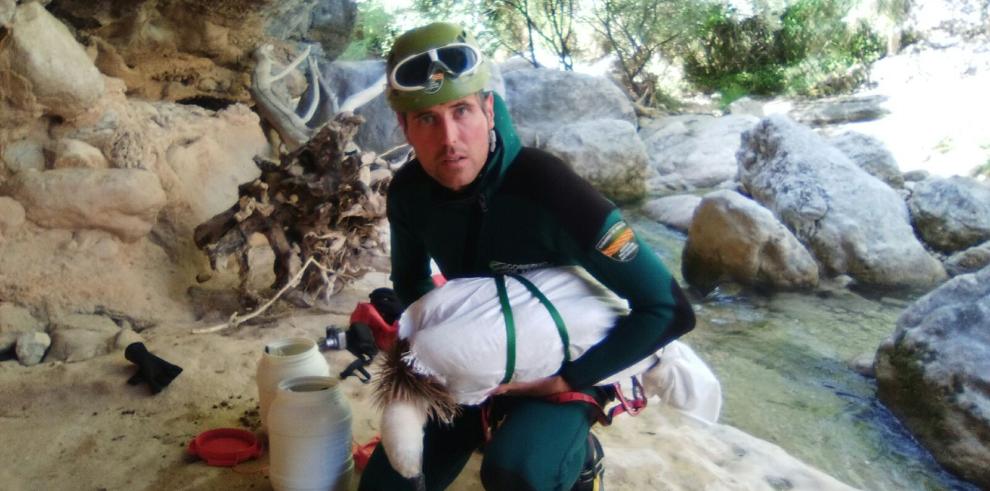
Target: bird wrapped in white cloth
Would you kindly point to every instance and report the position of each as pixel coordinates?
(459, 342)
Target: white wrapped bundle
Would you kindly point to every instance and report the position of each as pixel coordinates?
(457, 332)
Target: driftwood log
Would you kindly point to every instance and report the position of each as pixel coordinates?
(324, 201)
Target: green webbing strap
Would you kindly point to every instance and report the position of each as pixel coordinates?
(557, 319)
(510, 329)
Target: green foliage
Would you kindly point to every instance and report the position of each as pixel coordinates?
(806, 50)
(373, 34)
(636, 31)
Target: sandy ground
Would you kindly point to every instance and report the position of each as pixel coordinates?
(80, 426)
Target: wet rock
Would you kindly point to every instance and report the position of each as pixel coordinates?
(14, 321)
(124, 202)
(951, 214)
(733, 237)
(853, 223)
(607, 153)
(31, 347)
(674, 211)
(11, 216)
(701, 150)
(968, 261)
(71, 153)
(934, 374)
(871, 155)
(863, 364)
(79, 337)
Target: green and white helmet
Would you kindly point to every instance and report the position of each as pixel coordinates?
(434, 64)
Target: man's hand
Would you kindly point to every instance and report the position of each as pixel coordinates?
(536, 388)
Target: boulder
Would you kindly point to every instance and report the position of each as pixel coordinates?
(951, 214)
(24, 154)
(14, 321)
(968, 261)
(699, 149)
(540, 100)
(50, 64)
(11, 216)
(31, 347)
(608, 153)
(71, 153)
(871, 155)
(124, 202)
(734, 238)
(674, 211)
(840, 109)
(934, 374)
(852, 222)
(78, 337)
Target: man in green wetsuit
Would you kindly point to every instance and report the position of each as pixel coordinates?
(479, 204)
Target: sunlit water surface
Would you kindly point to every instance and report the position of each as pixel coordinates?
(783, 361)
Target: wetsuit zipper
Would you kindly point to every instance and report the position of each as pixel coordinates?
(471, 245)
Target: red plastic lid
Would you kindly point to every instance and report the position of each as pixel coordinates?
(225, 447)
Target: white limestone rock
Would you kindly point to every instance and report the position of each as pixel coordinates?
(11, 216)
(51, 68)
(934, 374)
(674, 211)
(852, 222)
(124, 202)
(31, 347)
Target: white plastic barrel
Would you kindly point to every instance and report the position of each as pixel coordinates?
(284, 359)
(309, 436)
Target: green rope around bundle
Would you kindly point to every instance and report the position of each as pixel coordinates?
(510, 325)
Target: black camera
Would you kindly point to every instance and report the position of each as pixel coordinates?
(336, 339)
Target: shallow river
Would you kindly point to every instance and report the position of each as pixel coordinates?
(783, 361)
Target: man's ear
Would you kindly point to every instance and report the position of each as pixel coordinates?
(490, 109)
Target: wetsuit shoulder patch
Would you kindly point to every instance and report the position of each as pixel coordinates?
(549, 182)
(619, 242)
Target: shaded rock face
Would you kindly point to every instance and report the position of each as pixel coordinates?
(381, 130)
(934, 374)
(871, 155)
(732, 237)
(700, 150)
(607, 153)
(853, 223)
(951, 214)
(541, 99)
(187, 49)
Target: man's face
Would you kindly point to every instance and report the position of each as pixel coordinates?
(451, 139)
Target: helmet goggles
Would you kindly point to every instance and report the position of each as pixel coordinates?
(423, 71)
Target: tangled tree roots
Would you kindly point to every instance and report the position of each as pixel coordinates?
(325, 201)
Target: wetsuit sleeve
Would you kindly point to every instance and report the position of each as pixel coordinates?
(659, 311)
(410, 262)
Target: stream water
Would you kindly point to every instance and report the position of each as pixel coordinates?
(783, 361)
